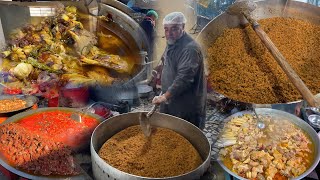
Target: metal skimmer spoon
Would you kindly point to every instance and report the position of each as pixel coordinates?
(144, 120)
(76, 116)
(83, 111)
(260, 123)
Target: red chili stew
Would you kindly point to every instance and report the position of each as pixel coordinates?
(59, 127)
(34, 154)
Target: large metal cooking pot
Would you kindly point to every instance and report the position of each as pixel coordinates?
(265, 9)
(276, 114)
(18, 117)
(119, 5)
(124, 91)
(102, 170)
(122, 25)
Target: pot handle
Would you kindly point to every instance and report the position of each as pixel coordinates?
(261, 106)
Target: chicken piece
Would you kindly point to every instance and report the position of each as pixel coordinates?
(101, 75)
(6, 64)
(17, 54)
(45, 36)
(279, 163)
(252, 145)
(239, 155)
(254, 174)
(303, 146)
(246, 161)
(256, 170)
(223, 152)
(82, 39)
(289, 154)
(56, 59)
(264, 162)
(28, 49)
(109, 61)
(257, 155)
(271, 171)
(253, 163)
(266, 159)
(71, 65)
(298, 170)
(112, 44)
(260, 177)
(259, 169)
(57, 48)
(277, 154)
(78, 79)
(294, 161)
(234, 161)
(241, 168)
(287, 171)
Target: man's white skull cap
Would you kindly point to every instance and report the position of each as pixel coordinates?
(174, 18)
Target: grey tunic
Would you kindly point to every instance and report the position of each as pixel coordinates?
(183, 76)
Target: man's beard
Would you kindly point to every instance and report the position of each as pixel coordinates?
(171, 41)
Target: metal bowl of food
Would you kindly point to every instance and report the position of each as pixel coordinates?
(107, 129)
(285, 140)
(14, 104)
(118, 39)
(314, 120)
(42, 137)
(216, 29)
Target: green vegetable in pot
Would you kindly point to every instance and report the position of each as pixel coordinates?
(39, 65)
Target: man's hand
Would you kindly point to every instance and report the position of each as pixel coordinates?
(159, 99)
(297, 109)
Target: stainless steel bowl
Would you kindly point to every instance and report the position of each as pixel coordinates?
(102, 170)
(30, 101)
(265, 9)
(314, 120)
(278, 115)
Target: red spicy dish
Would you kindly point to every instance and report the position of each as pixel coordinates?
(40, 142)
(34, 154)
(59, 127)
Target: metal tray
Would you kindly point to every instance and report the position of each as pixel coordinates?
(31, 100)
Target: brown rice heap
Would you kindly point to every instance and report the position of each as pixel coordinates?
(243, 69)
(164, 154)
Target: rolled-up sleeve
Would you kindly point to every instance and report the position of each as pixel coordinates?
(188, 65)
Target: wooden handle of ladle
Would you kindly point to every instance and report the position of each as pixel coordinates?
(292, 75)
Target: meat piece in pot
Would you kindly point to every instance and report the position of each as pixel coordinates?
(271, 171)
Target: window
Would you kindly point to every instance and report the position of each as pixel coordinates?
(42, 11)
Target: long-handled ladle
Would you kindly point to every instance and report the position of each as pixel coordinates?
(144, 120)
(245, 8)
